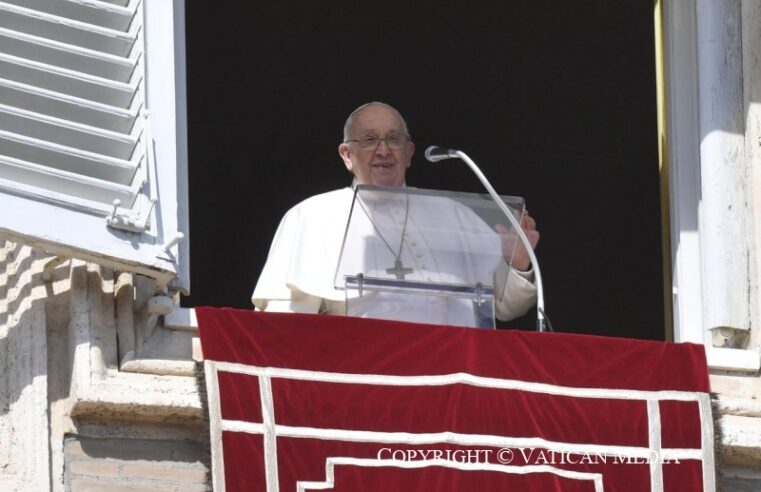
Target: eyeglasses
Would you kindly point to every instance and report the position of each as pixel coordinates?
(394, 141)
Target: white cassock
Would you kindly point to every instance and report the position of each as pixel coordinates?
(300, 273)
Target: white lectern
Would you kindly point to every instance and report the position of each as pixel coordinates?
(429, 256)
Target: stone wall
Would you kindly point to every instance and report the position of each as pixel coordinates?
(738, 408)
(132, 465)
(95, 394)
(24, 417)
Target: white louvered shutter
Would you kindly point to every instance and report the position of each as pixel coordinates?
(93, 159)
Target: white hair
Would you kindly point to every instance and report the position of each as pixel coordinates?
(350, 119)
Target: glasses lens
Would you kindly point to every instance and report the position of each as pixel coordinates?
(395, 141)
(368, 142)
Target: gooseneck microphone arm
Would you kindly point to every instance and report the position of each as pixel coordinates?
(435, 154)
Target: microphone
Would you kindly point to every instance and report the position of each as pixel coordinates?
(436, 154)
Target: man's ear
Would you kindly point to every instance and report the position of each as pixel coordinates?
(345, 152)
(410, 151)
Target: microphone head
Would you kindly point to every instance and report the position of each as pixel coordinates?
(436, 154)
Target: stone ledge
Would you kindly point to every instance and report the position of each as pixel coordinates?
(159, 367)
(741, 407)
(741, 441)
(143, 397)
(733, 360)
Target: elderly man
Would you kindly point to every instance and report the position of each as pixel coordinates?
(300, 269)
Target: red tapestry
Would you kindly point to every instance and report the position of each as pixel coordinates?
(303, 402)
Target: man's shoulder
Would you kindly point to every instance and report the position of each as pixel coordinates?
(316, 203)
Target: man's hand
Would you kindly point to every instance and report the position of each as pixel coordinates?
(520, 258)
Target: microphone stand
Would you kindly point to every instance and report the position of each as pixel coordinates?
(541, 319)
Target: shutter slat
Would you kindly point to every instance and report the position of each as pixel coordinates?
(67, 31)
(60, 131)
(67, 81)
(67, 107)
(45, 153)
(91, 12)
(67, 56)
(84, 187)
(121, 3)
(44, 195)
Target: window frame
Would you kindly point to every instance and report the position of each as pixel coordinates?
(159, 246)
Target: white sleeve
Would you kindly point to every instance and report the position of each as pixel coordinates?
(303, 304)
(272, 284)
(304, 253)
(514, 292)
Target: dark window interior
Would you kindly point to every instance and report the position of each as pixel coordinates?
(555, 100)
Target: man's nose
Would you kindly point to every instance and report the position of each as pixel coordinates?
(382, 148)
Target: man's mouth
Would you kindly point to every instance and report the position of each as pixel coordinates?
(382, 165)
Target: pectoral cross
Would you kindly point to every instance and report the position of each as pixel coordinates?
(399, 270)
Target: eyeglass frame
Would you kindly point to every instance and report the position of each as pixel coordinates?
(379, 140)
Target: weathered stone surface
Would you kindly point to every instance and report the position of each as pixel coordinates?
(24, 456)
(135, 464)
(60, 376)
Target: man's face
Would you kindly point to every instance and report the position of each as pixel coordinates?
(381, 164)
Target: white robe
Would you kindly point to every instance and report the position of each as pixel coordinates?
(300, 272)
